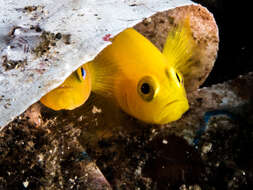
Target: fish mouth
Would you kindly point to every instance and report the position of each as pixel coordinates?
(173, 111)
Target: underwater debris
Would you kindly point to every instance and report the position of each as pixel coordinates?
(207, 117)
(48, 40)
(13, 64)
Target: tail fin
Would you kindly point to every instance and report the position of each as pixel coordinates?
(179, 46)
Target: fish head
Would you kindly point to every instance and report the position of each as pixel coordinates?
(144, 81)
(72, 93)
(152, 90)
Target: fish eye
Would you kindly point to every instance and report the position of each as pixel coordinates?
(147, 88)
(80, 74)
(83, 73)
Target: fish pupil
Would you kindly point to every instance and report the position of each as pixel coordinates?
(178, 77)
(145, 88)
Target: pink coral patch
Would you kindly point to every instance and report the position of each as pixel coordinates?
(107, 37)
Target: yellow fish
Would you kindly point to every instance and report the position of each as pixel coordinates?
(72, 93)
(144, 82)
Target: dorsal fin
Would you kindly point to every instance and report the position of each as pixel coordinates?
(179, 46)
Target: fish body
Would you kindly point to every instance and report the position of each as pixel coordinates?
(143, 81)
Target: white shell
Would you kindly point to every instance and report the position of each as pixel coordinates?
(83, 24)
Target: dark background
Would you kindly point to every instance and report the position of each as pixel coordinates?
(235, 56)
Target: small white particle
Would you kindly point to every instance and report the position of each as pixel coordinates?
(26, 183)
(96, 110)
(165, 141)
(206, 148)
(149, 19)
(71, 180)
(41, 157)
(17, 32)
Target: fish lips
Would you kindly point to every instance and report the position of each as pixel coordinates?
(172, 111)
